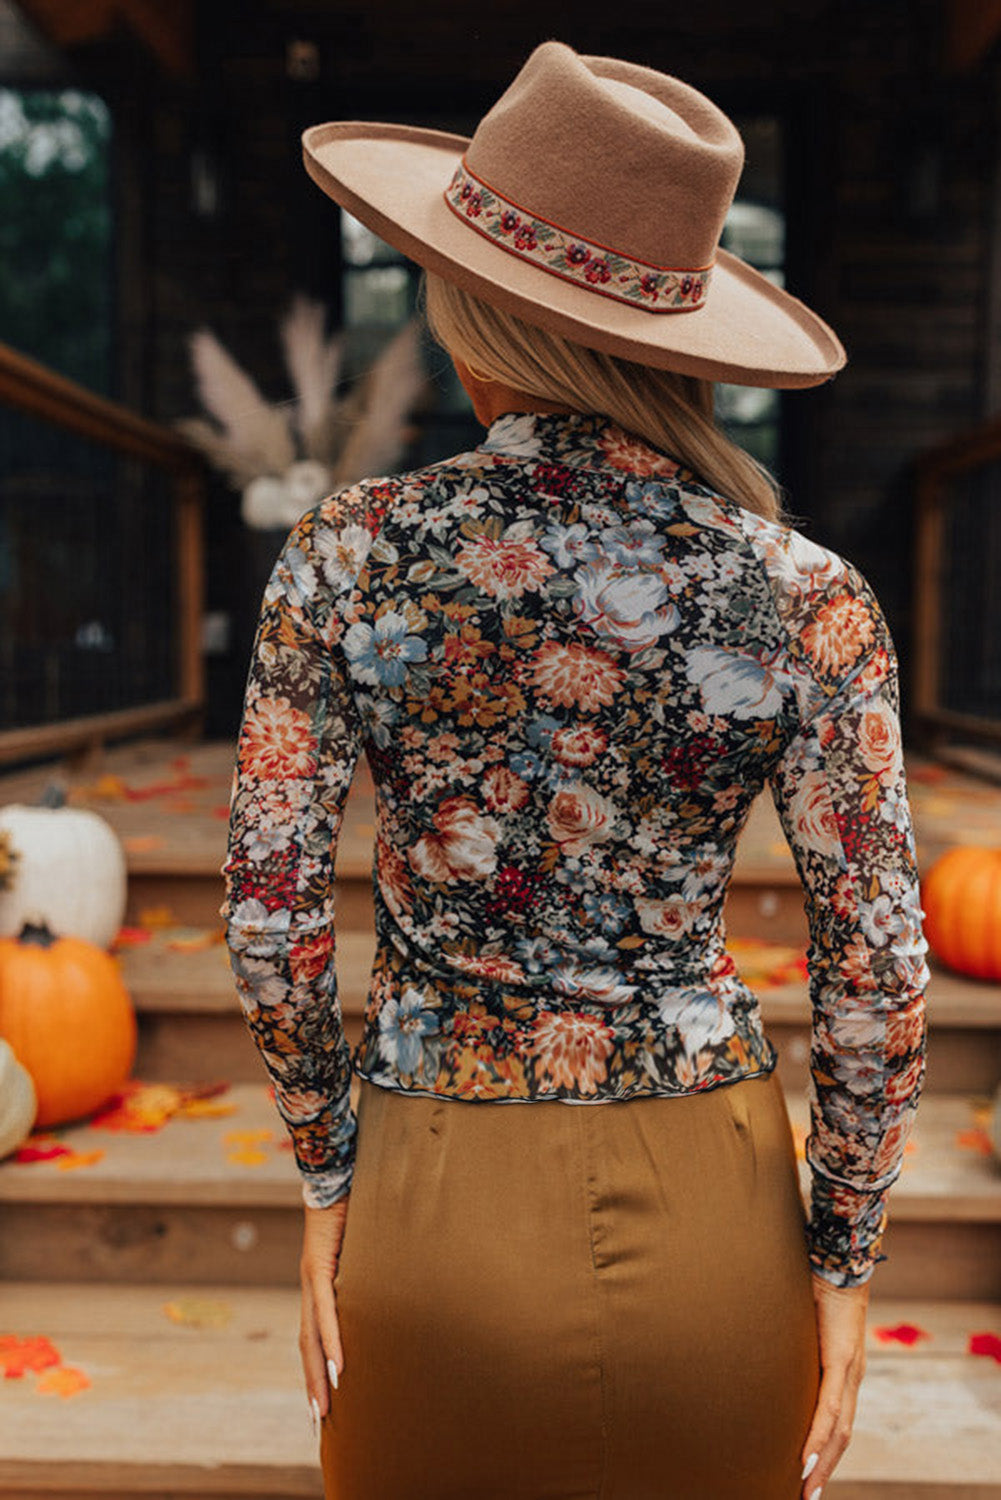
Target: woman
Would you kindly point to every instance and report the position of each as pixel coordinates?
(573, 656)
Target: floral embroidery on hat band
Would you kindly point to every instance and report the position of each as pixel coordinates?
(590, 265)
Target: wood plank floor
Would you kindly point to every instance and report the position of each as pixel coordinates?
(217, 1410)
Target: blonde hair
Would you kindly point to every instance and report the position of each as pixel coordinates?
(674, 412)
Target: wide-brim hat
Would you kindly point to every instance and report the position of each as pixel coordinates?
(590, 201)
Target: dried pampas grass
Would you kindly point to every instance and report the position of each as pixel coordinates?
(284, 457)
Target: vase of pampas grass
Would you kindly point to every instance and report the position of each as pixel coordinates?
(284, 457)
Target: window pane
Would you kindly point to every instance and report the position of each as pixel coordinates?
(378, 295)
(56, 230)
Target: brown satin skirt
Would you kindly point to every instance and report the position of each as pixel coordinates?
(545, 1301)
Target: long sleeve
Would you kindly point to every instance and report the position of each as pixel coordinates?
(840, 792)
(299, 741)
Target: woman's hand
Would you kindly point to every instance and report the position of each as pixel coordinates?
(841, 1314)
(319, 1334)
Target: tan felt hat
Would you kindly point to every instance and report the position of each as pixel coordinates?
(590, 201)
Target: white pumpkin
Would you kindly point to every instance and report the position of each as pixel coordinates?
(70, 872)
(18, 1101)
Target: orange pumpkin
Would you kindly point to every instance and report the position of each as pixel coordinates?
(961, 898)
(69, 1018)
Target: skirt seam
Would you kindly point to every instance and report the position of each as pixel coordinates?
(588, 1194)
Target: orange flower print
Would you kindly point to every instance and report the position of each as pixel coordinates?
(624, 450)
(277, 742)
(581, 745)
(571, 1049)
(490, 966)
(394, 878)
(812, 811)
(838, 634)
(879, 742)
(579, 816)
(574, 675)
(504, 567)
(503, 791)
(310, 955)
(672, 918)
(463, 846)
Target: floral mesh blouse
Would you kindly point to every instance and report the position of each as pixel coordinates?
(572, 669)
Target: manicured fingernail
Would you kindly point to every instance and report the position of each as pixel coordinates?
(314, 1407)
(333, 1374)
(811, 1464)
(816, 1493)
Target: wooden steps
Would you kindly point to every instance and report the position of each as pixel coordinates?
(90, 1255)
(171, 1409)
(219, 1200)
(180, 1410)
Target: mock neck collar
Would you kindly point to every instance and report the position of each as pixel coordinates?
(588, 440)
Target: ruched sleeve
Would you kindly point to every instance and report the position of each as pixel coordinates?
(839, 789)
(299, 741)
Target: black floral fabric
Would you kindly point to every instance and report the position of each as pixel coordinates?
(572, 669)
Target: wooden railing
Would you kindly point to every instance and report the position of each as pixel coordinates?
(32, 388)
(936, 471)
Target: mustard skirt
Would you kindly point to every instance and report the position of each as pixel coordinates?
(548, 1301)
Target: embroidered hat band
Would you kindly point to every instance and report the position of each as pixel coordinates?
(598, 267)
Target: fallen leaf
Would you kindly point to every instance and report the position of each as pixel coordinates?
(207, 1109)
(157, 916)
(45, 1149)
(246, 1156)
(18, 1355)
(975, 1139)
(130, 937)
(74, 1159)
(199, 1312)
(987, 1344)
(141, 843)
(193, 939)
(66, 1380)
(901, 1333)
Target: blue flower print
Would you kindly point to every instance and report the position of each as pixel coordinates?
(403, 1024)
(568, 544)
(637, 544)
(379, 656)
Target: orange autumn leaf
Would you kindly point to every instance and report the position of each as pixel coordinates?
(18, 1355)
(65, 1380)
(138, 1107)
(208, 1109)
(975, 1139)
(142, 843)
(194, 939)
(246, 1156)
(157, 916)
(73, 1159)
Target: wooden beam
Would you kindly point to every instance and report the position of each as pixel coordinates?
(164, 27)
(973, 26)
(33, 388)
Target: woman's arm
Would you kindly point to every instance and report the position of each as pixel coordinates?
(840, 792)
(298, 744)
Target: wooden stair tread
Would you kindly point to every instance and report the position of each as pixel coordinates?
(223, 1410)
(189, 1161)
(164, 978)
(171, 1407)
